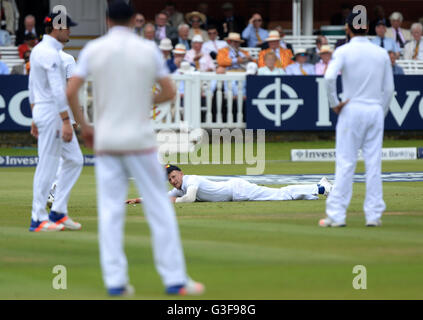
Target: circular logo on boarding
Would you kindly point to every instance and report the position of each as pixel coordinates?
(278, 115)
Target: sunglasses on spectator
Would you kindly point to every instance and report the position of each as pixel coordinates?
(195, 20)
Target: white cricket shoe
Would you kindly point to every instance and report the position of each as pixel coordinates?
(125, 291)
(328, 222)
(45, 226)
(324, 182)
(65, 220)
(191, 288)
(375, 223)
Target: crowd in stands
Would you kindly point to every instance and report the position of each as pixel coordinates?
(209, 44)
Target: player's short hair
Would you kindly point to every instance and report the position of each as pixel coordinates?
(170, 168)
(120, 12)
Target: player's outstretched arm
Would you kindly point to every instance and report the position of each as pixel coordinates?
(133, 201)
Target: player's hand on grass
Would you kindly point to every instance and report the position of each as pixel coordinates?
(34, 130)
(133, 201)
(67, 131)
(87, 133)
(339, 107)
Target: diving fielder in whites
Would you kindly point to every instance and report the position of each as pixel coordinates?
(124, 68)
(51, 125)
(368, 86)
(191, 188)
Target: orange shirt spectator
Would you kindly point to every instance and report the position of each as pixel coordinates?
(284, 56)
(232, 57)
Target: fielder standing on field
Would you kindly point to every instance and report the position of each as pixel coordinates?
(52, 126)
(368, 87)
(124, 69)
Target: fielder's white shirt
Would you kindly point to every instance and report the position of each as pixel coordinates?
(124, 68)
(47, 81)
(207, 190)
(366, 73)
(69, 65)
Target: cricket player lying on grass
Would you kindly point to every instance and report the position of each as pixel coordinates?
(191, 188)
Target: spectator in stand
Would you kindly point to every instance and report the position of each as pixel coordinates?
(26, 58)
(254, 34)
(396, 69)
(196, 19)
(175, 17)
(183, 33)
(163, 30)
(325, 53)
(203, 7)
(381, 40)
(414, 49)
(150, 32)
(139, 24)
(30, 42)
(4, 69)
(5, 39)
(232, 57)
(212, 46)
(203, 62)
(379, 14)
(284, 56)
(269, 68)
(300, 66)
(340, 18)
(29, 27)
(313, 53)
(230, 23)
(166, 48)
(400, 35)
(178, 56)
(282, 43)
(9, 16)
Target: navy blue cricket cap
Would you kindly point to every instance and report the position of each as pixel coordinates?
(170, 168)
(120, 10)
(50, 19)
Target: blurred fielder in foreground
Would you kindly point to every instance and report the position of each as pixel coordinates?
(191, 188)
(124, 69)
(368, 86)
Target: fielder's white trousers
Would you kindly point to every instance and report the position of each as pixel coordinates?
(112, 173)
(359, 126)
(51, 148)
(247, 191)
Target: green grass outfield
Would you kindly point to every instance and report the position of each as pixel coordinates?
(244, 250)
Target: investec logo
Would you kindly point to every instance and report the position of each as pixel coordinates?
(398, 112)
(10, 161)
(277, 116)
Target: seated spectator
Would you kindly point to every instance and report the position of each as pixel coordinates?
(175, 17)
(178, 56)
(284, 56)
(150, 32)
(4, 69)
(396, 69)
(212, 46)
(163, 30)
(381, 40)
(9, 16)
(26, 57)
(313, 53)
(29, 27)
(269, 68)
(379, 14)
(139, 24)
(196, 19)
(230, 22)
(300, 66)
(183, 33)
(400, 35)
(166, 47)
(30, 42)
(5, 39)
(282, 43)
(414, 49)
(232, 57)
(203, 62)
(325, 53)
(254, 34)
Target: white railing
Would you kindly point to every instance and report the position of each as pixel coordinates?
(411, 66)
(203, 100)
